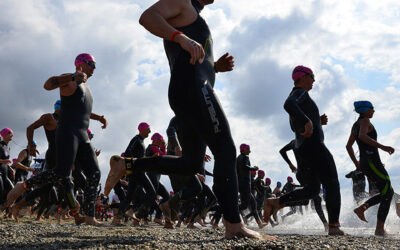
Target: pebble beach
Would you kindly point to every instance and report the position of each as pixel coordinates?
(28, 234)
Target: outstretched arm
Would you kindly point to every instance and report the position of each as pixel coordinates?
(99, 118)
(363, 135)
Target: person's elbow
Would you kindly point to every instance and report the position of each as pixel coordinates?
(144, 17)
(47, 84)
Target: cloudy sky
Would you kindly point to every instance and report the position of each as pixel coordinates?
(353, 47)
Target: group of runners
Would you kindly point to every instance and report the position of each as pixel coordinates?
(199, 122)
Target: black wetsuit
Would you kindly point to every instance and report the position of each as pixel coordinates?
(22, 174)
(137, 182)
(160, 188)
(5, 183)
(372, 167)
(201, 119)
(73, 145)
(358, 179)
(50, 164)
(311, 153)
(244, 178)
(300, 175)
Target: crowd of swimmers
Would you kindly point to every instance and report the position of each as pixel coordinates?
(199, 122)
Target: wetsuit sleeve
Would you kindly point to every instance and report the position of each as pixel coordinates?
(283, 151)
(292, 105)
(208, 173)
(172, 134)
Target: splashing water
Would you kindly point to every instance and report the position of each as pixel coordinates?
(310, 224)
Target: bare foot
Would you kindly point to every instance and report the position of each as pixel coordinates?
(383, 233)
(93, 222)
(168, 224)
(271, 208)
(179, 223)
(240, 230)
(117, 171)
(136, 222)
(16, 192)
(167, 212)
(158, 221)
(261, 224)
(16, 208)
(360, 212)
(79, 219)
(200, 221)
(335, 230)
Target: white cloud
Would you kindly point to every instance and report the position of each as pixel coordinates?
(41, 38)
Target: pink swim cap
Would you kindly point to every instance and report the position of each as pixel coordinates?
(244, 146)
(156, 137)
(289, 179)
(253, 172)
(300, 71)
(89, 132)
(84, 58)
(142, 126)
(268, 180)
(261, 172)
(171, 192)
(6, 131)
(14, 160)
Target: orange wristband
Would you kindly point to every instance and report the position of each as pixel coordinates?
(174, 34)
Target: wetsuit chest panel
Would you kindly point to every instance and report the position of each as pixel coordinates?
(135, 148)
(51, 134)
(76, 108)
(4, 155)
(311, 111)
(364, 148)
(243, 163)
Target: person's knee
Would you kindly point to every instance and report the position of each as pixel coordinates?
(115, 160)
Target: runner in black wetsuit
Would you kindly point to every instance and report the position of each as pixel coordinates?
(287, 188)
(72, 142)
(243, 170)
(49, 123)
(312, 153)
(22, 164)
(188, 44)
(300, 177)
(136, 179)
(5, 183)
(364, 133)
(185, 187)
(157, 148)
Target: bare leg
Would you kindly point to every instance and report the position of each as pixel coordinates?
(272, 206)
(117, 171)
(16, 192)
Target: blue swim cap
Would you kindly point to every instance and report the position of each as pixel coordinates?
(362, 106)
(278, 183)
(57, 105)
(34, 143)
